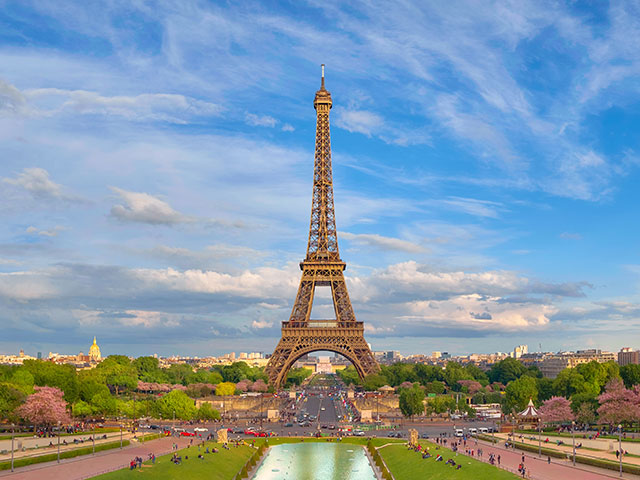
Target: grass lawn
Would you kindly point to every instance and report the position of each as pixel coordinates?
(216, 466)
(409, 465)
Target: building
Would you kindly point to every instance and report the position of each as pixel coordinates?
(94, 352)
(552, 365)
(520, 350)
(628, 356)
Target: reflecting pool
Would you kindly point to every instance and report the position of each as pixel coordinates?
(315, 461)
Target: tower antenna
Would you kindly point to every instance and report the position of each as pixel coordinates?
(322, 85)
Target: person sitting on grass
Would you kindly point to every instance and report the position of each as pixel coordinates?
(458, 467)
(439, 458)
(426, 455)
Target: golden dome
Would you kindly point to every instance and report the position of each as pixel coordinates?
(94, 351)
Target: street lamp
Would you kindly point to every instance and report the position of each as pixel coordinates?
(573, 439)
(539, 437)
(121, 434)
(13, 426)
(620, 446)
(174, 420)
(58, 441)
(93, 437)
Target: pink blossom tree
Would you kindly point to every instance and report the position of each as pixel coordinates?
(46, 406)
(556, 409)
(243, 385)
(259, 386)
(472, 386)
(619, 404)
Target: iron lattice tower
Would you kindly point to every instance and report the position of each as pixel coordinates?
(321, 267)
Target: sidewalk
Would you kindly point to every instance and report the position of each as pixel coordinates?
(539, 469)
(88, 466)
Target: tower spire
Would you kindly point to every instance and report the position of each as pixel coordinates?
(322, 82)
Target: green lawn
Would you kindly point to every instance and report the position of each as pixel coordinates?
(409, 465)
(215, 466)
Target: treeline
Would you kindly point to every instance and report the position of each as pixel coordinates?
(508, 382)
(112, 388)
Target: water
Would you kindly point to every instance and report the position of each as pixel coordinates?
(315, 461)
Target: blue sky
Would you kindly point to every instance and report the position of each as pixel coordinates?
(156, 164)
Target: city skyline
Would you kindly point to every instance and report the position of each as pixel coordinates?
(156, 176)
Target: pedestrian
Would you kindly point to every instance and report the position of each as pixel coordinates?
(523, 458)
(549, 460)
(498, 459)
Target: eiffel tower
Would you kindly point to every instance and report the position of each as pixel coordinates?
(322, 267)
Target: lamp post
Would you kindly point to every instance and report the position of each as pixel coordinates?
(573, 440)
(12, 436)
(174, 420)
(539, 438)
(93, 438)
(620, 446)
(120, 435)
(58, 441)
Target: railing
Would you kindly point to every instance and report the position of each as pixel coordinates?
(322, 324)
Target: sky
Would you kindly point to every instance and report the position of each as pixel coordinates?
(156, 165)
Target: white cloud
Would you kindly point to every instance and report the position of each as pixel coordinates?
(260, 324)
(260, 120)
(145, 208)
(37, 182)
(52, 232)
(287, 128)
(361, 121)
(473, 206)
(383, 243)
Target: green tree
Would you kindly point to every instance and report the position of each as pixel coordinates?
(545, 389)
(81, 409)
(178, 373)
(51, 374)
(374, 381)
(88, 388)
(297, 375)
(349, 375)
(428, 373)
(117, 371)
(411, 401)
(518, 393)
(148, 370)
(176, 401)
(10, 399)
(23, 380)
(454, 372)
(477, 374)
(630, 375)
(104, 403)
(570, 381)
(435, 387)
(207, 412)
(506, 371)
(440, 404)
(225, 388)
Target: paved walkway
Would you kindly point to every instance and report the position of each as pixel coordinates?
(539, 469)
(89, 466)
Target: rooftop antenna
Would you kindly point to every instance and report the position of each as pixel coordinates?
(322, 85)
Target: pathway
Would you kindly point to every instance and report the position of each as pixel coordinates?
(89, 465)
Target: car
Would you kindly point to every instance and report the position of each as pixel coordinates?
(187, 434)
(424, 435)
(331, 427)
(358, 433)
(288, 424)
(323, 409)
(458, 432)
(473, 431)
(200, 429)
(484, 430)
(323, 426)
(229, 430)
(178, 429)
(238, 430)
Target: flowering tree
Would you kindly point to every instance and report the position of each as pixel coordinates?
(472, 386)
(556, 409)
(45, 407)
(259, 386)
(243, 385)
(619, 404)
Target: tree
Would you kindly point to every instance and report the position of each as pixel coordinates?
(556, 409)
(225, 389)
(10, 399)
(207, 412)
(619, 404)
(297, 375)
(470, 386)
(176, 401)
(243, 385)
(585, 413)
(411, 401)
(374, 381)
(506, 371)
(440, 404)
(117, 371)
(570, 381)
(51, 374)
(436, 387)
(104, 403)
(454, 372)
(545, 388)
(427, 373)
(630, 374)
(349, 375)
(518, 393)
(477, 374)
(46, 406)
(259, 386)
(81, 409)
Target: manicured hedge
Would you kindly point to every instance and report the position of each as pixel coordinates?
(50, 457)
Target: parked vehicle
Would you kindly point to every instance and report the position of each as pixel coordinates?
(288, 424)
(484, 430)
(187, 434)
(459, 432)
(200, 429)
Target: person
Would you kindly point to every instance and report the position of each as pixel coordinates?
(549, 460)
(153, 458)
(498, 459)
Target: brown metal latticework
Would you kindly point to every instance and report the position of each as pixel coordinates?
(321, 267)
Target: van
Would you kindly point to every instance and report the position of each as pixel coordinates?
(459, 432)
(484, 430)
(473, 431)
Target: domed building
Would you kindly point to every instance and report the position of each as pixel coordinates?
(94, 352)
